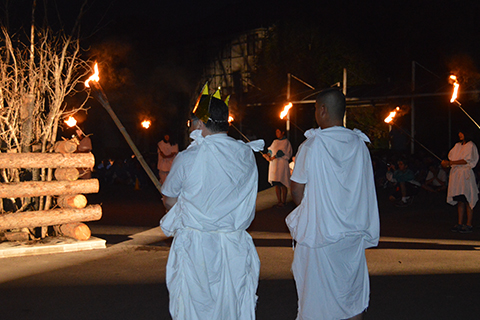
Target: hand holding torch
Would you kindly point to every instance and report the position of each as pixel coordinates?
(99, 94)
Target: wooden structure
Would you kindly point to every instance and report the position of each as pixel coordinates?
(67, 191)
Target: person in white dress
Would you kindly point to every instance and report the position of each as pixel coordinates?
(166, 155)
(462, 186)
(336, 218)
(213, 267)
(279, 154)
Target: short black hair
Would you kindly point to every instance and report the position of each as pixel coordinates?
(218, 120)
(334, 101)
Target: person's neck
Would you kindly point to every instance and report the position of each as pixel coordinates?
(206, 132)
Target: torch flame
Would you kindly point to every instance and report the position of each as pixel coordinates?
(146, 124)
(391, 115)
(230, 119)
(285, 110)
(455, 88)
(94, 77)
(71, 122)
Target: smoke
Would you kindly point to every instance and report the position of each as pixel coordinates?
(463, 66)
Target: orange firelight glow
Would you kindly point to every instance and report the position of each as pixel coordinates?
(71, 122)
(230, 119)
(455, 88)
(285, 110)
(146, 124)
(94, 77)
(392, 115)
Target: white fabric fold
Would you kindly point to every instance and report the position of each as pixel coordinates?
(213, 266)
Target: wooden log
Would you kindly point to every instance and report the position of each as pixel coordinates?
(17, 236)
(32, 219)
(78, 230)
(47, 188)
(46, 160)
(77, 201)
(66, 146)
(67, 174)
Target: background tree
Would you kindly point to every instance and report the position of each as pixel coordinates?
(38, 72)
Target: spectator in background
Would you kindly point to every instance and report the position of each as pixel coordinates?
(404, 183)
(166, 155)
(436, 179)
(84, 146)
(462, 187)
(279, 153)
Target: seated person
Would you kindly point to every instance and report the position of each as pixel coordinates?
(436, 179)
(404, 183)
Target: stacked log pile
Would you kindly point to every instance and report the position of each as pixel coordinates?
(71, 210)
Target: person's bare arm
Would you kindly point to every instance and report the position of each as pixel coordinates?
(297, 191)
(169, 202)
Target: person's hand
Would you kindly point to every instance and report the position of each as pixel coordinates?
(266, 156)
(446, 163)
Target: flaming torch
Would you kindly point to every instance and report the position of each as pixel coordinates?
(146, 124)
(285, 112)
(71, 122)
(99, 94)
(389, 120)
(456, 86)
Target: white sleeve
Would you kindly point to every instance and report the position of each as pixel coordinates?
(300, 170)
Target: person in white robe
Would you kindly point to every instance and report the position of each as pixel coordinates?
(210, 194)
(279, 154)
(462, 186)
(336, 218)
(166, 154)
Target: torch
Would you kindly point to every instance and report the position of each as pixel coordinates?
(99, 94)
(389, 120)
(72, 122)
(230, 121)
(146, 124)
(456, 86)
(285, 112)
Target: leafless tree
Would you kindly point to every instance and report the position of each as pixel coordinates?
(36, 75)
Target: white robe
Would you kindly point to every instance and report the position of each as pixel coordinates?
(334, 224)
(462, 178)
(213, 266)
(279, 169)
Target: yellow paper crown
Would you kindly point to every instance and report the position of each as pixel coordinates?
(202, 107)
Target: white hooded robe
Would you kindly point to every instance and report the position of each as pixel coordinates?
(334, 224)
(213, 266)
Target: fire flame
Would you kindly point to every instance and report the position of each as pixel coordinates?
(71, 122)
(230, 119)
(455, 88)
(392, 115)
(94, 77)
(146, 124)
(285, 110)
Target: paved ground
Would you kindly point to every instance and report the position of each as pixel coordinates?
(419, 271)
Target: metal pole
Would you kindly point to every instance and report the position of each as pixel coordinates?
(244, 136)
(345, 93)
(449, 127)
(412, 114)
(414, 140)
(460, 106)
(98, 93)
(289, 78)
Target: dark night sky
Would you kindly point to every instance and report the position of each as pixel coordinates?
(144, 44)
